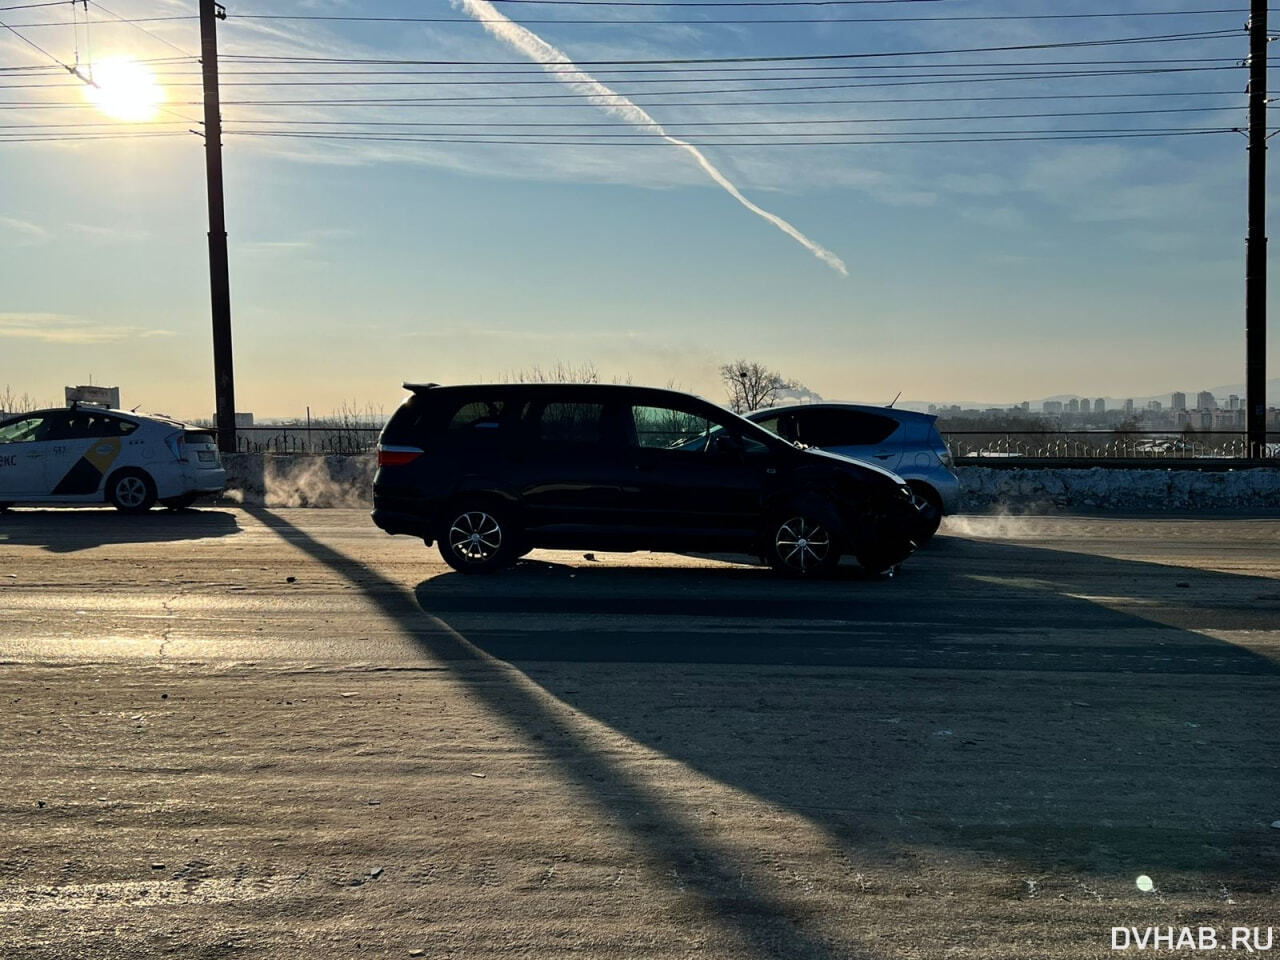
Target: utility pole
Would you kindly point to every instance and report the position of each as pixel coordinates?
(1255, 271)
(219, 284)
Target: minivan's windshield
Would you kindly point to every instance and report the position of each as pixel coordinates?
(754, 439)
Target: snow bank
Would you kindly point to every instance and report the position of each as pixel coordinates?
(1032, 490)
(347, 481)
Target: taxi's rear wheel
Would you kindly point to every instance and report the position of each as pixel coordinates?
(131, 491)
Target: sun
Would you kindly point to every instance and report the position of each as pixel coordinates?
(125, 89)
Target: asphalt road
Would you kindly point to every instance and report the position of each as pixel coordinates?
(281, 733)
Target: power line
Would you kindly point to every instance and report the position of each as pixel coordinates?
(640, 135)
(571, 100)
(1115, 41)
(701, 82)
(612, 71)
(153, 36)
(28, 6)
(703, 21)
(70, 137)
(36, 46)
(715, 21)
(682, 125)
(687, 125)
(804, 143)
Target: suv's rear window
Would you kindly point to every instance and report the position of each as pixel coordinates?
(411, 422)
(841, 428)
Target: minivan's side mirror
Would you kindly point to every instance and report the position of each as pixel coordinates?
(727, 445)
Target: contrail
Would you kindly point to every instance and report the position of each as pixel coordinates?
(535, 48)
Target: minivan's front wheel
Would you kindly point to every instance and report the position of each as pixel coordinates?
(801, 546)
(478, 539)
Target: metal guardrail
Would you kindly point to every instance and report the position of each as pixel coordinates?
(316, 439)
(971, 446)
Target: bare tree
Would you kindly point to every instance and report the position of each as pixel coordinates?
(751, 385)
(11, 403)
(558, 372)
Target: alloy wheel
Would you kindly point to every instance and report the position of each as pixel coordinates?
(475, 536)
(802, 544)
(131, 491)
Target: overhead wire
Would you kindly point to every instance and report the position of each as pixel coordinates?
(794, 58)
(701, 21)
(153, 36)
(966, 138)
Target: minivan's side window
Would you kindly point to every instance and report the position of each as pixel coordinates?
(26, 430)
(477, 415)
(665, 428)
(572, 424)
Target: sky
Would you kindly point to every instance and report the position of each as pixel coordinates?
(992, 269)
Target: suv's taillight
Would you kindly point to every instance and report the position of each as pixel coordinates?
(397, 456)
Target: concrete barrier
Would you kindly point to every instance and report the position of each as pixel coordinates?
(1035, 490)
(347, 481)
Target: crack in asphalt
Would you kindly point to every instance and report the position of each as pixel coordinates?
(171, 616)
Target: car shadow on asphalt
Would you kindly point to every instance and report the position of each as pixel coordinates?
(69, 529)
(1037, 722)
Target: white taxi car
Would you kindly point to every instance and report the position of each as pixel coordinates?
(85, 454)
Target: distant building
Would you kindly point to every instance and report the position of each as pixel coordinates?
(1099, 405)
(1073, 405)
(933, 408)
(1206, 401)
(1154, 406)
(1051, 406)
(1178, 401)
(1026, 406)
(1233, 402)
(1128, 408)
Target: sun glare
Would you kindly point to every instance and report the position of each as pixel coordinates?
(125, 90)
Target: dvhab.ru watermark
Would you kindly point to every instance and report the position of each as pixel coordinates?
(1245, 939)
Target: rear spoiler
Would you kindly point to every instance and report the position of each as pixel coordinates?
(415, 387)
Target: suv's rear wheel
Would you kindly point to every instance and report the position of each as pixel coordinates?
(477, 539)
(801, 545)
(131, 491)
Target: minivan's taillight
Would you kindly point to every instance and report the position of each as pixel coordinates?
(397, 456)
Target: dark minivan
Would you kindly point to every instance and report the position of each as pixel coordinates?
(493, 471)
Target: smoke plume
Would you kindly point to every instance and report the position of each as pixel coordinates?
(537, 49)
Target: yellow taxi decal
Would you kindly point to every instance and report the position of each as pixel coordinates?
(102, 453)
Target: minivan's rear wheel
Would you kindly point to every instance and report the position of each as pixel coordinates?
(131, 491)
(477, 539)
(801, 545)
